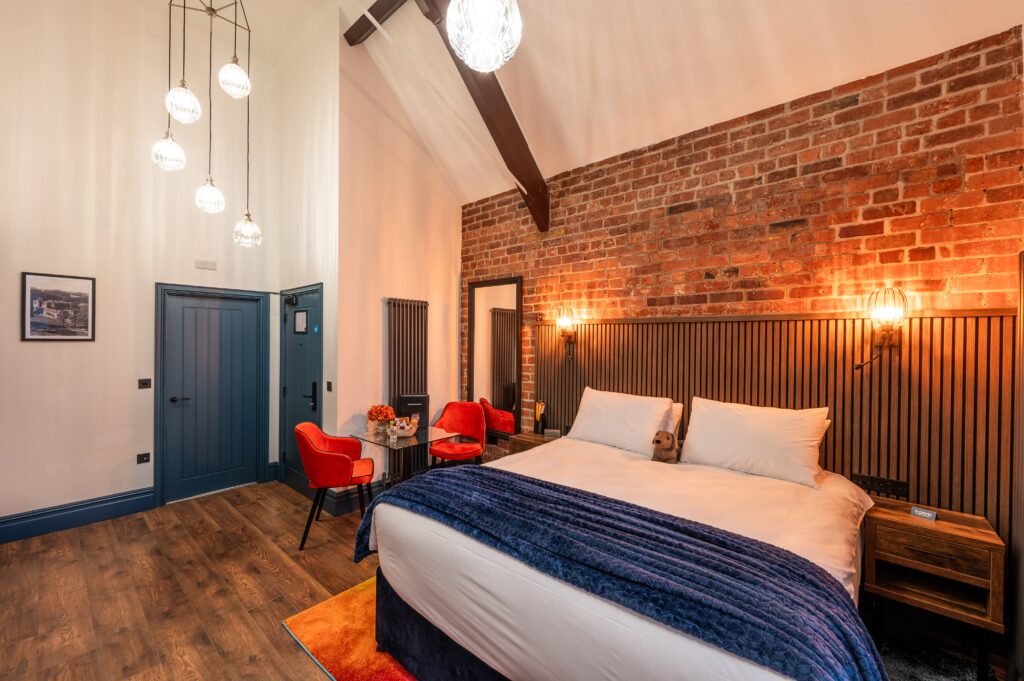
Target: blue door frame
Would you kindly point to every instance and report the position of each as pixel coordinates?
(163, 293)
(284, 432)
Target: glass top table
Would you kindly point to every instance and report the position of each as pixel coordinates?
(407, 456)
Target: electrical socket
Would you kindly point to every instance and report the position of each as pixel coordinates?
(145, 383)
(887, 486)
(142, 458)
(330, 386)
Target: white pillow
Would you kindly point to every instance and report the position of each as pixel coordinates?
(618, 420)
(775, 443)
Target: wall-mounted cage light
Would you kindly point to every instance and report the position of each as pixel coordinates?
(565, 320)
(887, 308)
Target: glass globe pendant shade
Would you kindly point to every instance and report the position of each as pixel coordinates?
(484, 33)
(234, 80)
(182, 104)
(168, 154)
(247, 233)
(209, 199)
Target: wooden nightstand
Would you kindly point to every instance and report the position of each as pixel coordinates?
(952, 566)
(524, 441)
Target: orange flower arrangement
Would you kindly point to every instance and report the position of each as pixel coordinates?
(380, 412)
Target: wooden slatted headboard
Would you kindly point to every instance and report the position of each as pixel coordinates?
(937, 412)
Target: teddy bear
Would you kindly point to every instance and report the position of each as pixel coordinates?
(666, 447)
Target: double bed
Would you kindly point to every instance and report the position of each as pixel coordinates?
(525, 624)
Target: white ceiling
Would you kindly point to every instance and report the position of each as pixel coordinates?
(594, 78)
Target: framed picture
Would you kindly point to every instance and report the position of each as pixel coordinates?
(301, 321)
(55, 307)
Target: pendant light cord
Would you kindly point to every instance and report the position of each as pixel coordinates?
(235, 49)
(170, 21)
(248, 69)
(209, 113)
(184, 6)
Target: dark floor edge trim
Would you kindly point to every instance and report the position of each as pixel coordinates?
(273, 471)
(32, 523)
(346, 501)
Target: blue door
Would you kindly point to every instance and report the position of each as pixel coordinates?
(211, 358)
(302, 352)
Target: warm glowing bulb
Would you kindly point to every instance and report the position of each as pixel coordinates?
(484, 33)
(887, 313)
(564, 318)
(234, 80)
(168, 154)
(182, 104)
(887, 308)
(209, 199)
(247, 233)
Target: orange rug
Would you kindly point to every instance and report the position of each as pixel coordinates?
(339, 635)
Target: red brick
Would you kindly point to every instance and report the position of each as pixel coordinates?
(996, 178)
(866, 229)
(954, 135)
(992, 75)
(922, 253)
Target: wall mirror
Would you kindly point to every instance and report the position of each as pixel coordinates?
(495, 352)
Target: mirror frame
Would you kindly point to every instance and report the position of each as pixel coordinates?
(473, 286)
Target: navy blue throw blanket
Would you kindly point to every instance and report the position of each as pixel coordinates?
(750, 598)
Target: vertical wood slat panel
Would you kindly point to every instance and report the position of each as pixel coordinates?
(1015, 470)
(406, 334)
(504, 337)
(936, 412)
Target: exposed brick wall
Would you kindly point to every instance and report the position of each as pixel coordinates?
(912, 177)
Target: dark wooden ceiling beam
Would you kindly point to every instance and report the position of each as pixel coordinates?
(363, 27)
(501, 122)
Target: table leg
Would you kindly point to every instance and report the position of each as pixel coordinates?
(394, 474)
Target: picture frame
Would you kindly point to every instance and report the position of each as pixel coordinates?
(301, 321)
(57, 307)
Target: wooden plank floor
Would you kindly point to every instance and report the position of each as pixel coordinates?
(192, 590)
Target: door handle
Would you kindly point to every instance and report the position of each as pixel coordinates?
(312, 398)
(175, 400)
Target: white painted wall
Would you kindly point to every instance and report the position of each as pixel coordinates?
(81, 196)
(484, 300)
(370, 214)
(83, 102)
(400, 237)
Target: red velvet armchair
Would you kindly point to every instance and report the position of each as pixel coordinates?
(331, 462)
(466, 418)
(498, 420)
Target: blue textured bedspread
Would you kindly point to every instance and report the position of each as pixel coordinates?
(744, 596)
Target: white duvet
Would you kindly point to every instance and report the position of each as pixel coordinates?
(528, 625)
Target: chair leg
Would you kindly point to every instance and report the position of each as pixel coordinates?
(362, 504)
(312, 512)
(320, 506)
(369, 491)
(480, 459)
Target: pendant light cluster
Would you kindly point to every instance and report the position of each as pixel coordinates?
(184, 107)
(484, 33)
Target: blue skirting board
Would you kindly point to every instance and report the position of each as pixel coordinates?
(31, 523)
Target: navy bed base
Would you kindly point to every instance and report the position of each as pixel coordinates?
(425, 651)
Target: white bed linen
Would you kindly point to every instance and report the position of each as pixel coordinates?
(528, 625)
